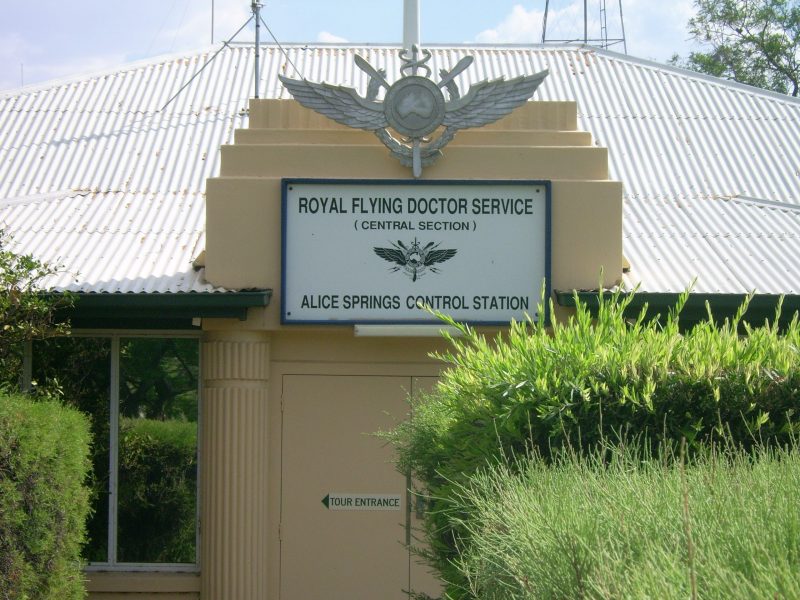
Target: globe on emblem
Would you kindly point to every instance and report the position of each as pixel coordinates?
(414, 106)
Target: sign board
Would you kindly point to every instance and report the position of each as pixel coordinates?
(362, 501)
(378, 251)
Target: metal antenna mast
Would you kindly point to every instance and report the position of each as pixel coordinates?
(604, 41)
(256, 8)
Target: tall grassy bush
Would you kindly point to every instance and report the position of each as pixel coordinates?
(611, 525)
(44, 450)
(588, 380)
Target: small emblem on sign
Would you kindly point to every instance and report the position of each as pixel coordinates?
(414, 260)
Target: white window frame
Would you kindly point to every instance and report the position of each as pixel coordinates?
(112, 564)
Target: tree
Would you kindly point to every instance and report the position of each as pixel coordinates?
(26, 313)
(750, 41)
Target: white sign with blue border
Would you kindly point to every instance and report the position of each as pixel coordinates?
(377, 251)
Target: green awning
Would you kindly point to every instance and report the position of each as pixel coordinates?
(160, 310)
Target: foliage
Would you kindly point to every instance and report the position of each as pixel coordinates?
(158, 381)
(616, 524)
(587, 381)
(755, 42)
(158, 487)
(77, 371)
(158, 450)
(158, 378)
(43, 504)
(25, 313)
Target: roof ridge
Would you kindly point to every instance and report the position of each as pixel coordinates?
(584, 48)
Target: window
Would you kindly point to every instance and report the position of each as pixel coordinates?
(141, 394)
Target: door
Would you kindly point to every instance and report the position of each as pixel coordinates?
(329, 453)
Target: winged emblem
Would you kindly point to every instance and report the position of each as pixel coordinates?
(414, 107)
(414, 259)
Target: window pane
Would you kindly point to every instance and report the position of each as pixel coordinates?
(78, 371)
(157, 450)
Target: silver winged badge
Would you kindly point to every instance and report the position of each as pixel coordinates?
(414, 107)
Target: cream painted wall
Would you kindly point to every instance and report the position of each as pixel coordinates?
(538, 141)
(245, 363)
(164, 586)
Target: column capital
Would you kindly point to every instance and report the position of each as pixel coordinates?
(238, 358)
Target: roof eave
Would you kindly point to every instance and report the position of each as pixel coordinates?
(160, 310)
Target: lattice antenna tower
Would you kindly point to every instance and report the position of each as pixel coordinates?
(603, 41)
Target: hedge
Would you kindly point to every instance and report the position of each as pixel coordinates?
(594, 378)
(44, 450)
(157, 491)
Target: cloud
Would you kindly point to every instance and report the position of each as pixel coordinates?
(23, 63)
(523, 26)
(184, 27)
(519, 26)
(658, 30)
(14, 53)
(14, 47)
(325, 37)
(195, 32)
(652, 30)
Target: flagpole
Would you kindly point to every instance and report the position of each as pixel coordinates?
(410, 24)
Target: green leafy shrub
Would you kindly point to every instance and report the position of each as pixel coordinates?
(157, 490)
(77, 370)
(583, 382)
(25, 312)
(157, 381)
(44, 450)
(612, 525)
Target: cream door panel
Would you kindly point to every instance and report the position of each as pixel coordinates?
(328, 448)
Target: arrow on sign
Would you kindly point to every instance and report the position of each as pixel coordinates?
(326, 500)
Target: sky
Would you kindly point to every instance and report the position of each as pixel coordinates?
(42, 40)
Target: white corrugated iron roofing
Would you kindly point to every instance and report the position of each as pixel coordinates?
(113, 241)
(97, 175)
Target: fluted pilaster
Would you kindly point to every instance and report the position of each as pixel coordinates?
(234, 455)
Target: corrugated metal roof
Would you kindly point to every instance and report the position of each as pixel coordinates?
(113, 241)
(95, 172)
(728, 246)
